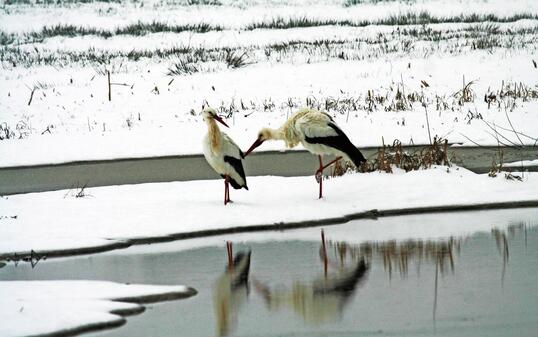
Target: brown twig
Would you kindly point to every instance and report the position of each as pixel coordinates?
(497, 134)
(512, 126)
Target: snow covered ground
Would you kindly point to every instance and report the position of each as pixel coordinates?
(373, 66)
(30, 308)
(522, 163)
(56, 221)
(429, 226)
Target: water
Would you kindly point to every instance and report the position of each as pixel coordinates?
(484, 264)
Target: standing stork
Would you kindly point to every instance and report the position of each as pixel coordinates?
(318, 133)
(222, 154)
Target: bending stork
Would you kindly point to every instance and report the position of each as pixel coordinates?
(318, 133)
(223, 155)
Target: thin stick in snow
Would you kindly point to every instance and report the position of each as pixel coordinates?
(428, 123)
(31, 96)
(513, 129)
(497, 134)
(518, 132)
(472, 141)
(109, 86)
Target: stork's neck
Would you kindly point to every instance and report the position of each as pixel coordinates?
(276, 134)
(213, 133)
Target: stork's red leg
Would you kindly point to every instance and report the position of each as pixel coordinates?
(226, 190)
(319, 177)
(332, 162)
(319, 173)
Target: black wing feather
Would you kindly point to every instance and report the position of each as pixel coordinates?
(237, 164)
(340, 142)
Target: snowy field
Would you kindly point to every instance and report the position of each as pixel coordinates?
(379, 67)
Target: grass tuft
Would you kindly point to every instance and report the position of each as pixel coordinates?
(235, 59)
(393, 156)
(182, 67)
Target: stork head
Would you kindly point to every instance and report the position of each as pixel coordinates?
(210, 113)
(263, 135)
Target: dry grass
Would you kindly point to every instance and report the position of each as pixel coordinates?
(496, 167)
(466, 94)
(394, 156)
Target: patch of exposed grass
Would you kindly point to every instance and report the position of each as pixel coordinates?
(235, 59)
(72, 2)
(143, 28)
(203, 3)
(393, 156)
(57, 2)
(466, 94)
(486, 42)
(349, 3)
(410, 18)
(182, 67)
(401, 41)
(17, 56)
(6, 39)
(136, 29)
(192, 60)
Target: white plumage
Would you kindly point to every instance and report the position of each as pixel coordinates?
(222, 154)
(318, 133)
(316, 125)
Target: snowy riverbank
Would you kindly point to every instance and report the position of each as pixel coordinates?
(116, 215)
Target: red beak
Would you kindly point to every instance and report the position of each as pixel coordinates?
(221, 121)
(257, 143)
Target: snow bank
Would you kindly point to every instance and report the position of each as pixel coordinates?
(44, 307)
(522, 163)
(430, 226)
(52, 221)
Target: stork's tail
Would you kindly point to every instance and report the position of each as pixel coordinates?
(356, 156)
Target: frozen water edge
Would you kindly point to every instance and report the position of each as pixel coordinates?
(69, 307)
(522, 163)
(54, 224)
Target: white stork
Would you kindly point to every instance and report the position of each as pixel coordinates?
(222, 154)
(318, 133)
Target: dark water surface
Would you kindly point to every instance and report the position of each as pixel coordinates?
(471, 284)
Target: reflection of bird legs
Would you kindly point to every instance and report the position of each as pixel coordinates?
(229, 250)
(263, 290)
(319, 173)
(324, 247)
(231, 290)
